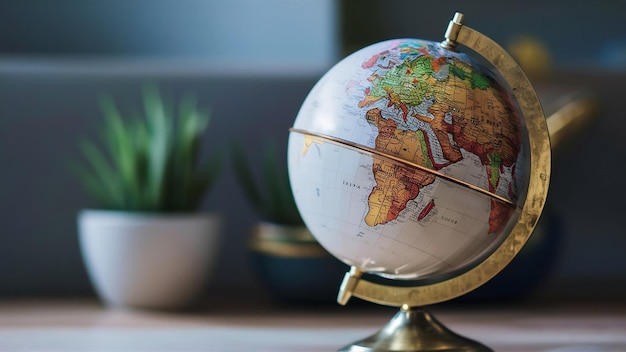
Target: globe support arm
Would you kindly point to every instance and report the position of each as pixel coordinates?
(540, 160)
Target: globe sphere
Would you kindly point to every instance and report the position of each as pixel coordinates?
(409, 161)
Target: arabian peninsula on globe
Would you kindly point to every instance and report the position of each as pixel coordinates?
(407, 160)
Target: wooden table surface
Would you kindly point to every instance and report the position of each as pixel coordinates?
(85, 325)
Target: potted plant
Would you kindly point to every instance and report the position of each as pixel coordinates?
(146, 245)
(290, 262)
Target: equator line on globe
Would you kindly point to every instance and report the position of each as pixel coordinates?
(394, 158)
(411, 160)
(428, 161)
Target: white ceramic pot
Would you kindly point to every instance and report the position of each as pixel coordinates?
(143, 260)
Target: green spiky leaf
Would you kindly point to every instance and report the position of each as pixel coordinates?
(150, 162)
(274, 201)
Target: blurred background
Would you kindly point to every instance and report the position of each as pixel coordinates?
(252, 63)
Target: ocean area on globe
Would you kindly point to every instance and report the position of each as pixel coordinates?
(410, 161)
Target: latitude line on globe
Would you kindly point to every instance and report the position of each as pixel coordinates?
(368, 150)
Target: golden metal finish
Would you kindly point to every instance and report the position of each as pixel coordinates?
(540, 156)
(285, 241)
(413, 329)
(571, 117)
(452, 32)
(350, 279)
(379, 153)
(278, 232)
(286, 249)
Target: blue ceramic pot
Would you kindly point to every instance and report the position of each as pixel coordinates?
(293, 266)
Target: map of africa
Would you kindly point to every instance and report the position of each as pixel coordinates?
(437, 124)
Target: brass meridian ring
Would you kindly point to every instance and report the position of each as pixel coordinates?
(539, 177)
(367, 150)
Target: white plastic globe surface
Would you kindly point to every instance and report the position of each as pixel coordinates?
(408, 160)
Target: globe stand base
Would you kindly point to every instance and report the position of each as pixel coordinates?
(413, 329)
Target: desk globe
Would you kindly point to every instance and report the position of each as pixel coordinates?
(417, 162)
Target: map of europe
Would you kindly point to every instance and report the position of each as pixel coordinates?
(407, 160)
(463, 108)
